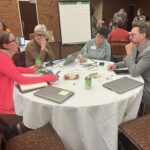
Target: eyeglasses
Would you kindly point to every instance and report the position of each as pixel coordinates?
(39, 35)
(14, 40)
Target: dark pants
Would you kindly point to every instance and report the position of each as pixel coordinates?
(12, 125)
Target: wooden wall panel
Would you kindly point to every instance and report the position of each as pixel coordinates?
(48, 15)
(145, 5)
(9, 14)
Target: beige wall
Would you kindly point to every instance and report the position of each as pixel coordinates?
(48, 15)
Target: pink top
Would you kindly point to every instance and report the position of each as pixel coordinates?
(9, 73)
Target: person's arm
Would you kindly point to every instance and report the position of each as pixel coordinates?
(108, 52)
(50, 52)
(110, 36)
(114, 66)
(86, 47)
(124, 19)
(27, 70)
(114, 17)
(31, 49)
(83, 53)
(142, 19)
(13, 73)
(141, 66)
(134, 21)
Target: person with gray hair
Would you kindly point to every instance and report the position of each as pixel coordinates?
(138, 58)
(39, 47)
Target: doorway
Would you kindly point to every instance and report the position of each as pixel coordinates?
(131, 15)
(28, 17)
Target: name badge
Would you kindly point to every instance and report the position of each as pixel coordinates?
(93, 47)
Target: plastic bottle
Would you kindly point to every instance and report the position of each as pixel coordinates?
(38, 64)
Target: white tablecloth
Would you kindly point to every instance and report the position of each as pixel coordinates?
(88, 120)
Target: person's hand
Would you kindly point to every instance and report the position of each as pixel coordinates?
(129, 48)
(99, 23)
(52, 78)
(111, 67)
(81, 58)
(43, 43)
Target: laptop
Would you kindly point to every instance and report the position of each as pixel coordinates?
(71, 58)
(55, 94)
(122, 85)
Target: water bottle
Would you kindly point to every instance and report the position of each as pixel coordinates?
(38, 64)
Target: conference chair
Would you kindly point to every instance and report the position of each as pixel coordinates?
(118, 50)
(44, 138)
(137, 132)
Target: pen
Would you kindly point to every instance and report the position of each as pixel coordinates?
(93, 60)
(57, 72)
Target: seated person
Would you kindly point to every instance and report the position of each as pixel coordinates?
(118, 33)
(38, 47)
(140, 19)
(138, 58)
(97, 48)
(9, 73)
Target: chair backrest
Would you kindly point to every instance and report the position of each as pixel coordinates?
(118, 49)
(138, 132)
(44, 138)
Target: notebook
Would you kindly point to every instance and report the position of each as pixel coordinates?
(122, 85)
(30, 87)
(55, 94)
(71, 58)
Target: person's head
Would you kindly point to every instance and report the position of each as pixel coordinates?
(3, 27)
(140, 12)
(139, 34)
(40, 31)
(8, 42)
(121, 11)
(101, 35)
(118, 24)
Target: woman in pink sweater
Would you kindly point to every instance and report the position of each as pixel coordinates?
(9, 73)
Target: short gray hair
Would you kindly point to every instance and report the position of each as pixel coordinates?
(40, 28)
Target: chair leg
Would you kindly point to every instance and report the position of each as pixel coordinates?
(146, 109)
(123, 142)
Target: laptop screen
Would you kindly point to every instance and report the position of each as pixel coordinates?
(71, 58)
